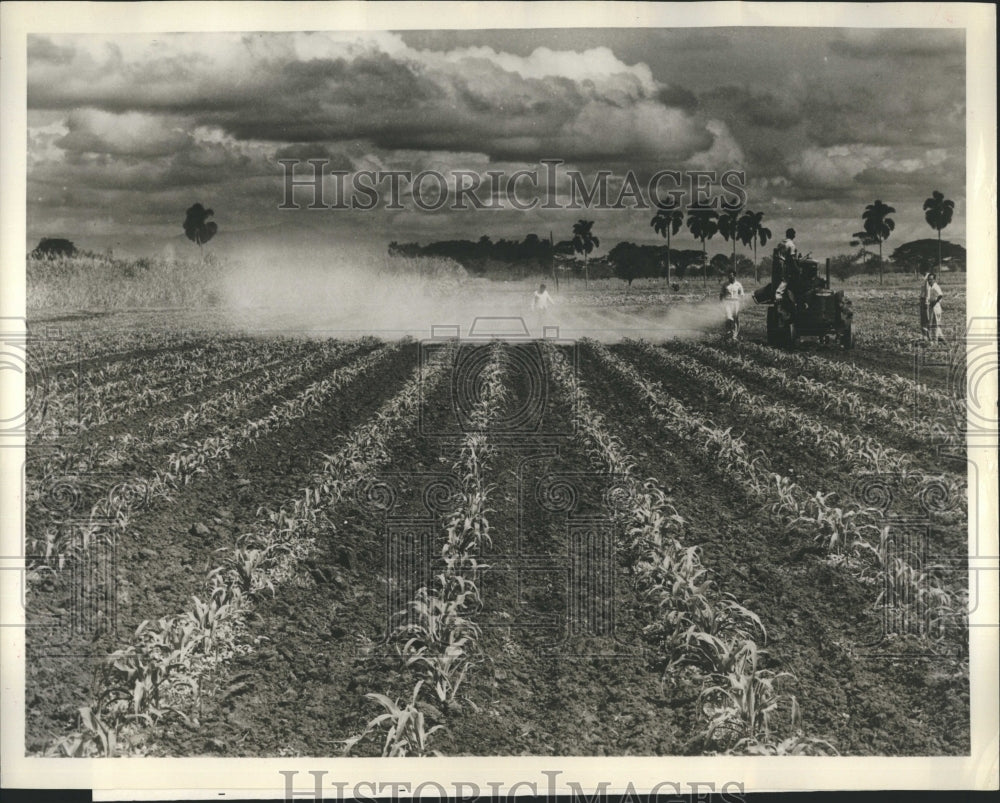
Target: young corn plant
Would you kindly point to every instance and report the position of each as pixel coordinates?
(95, 737)
(797, 745)
(743, 702)
(694, 624)
(434, 621)
(834, 528)
(153, 674)
(438, 635)
(714, 626)
(405, 727)
(445, 666)
(162, 671)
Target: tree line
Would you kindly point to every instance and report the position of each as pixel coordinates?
(628, 260)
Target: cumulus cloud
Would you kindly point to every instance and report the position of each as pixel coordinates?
(128, 134)
(136, 151)
(724, 153)
(325, 87)
(597, 66)
(812, 116)
(602, 129)
(841, 166)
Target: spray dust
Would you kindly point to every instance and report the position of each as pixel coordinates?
(351, 294)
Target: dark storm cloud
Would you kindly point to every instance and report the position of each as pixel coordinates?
(679, 97)
(201, 164)
(879, 44)
(931, 114)
(810, 114)
(743, 106)
(365, 81)
(392, 105)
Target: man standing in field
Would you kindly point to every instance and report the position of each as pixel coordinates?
(540, 303)
(930, 309)
(731, 296)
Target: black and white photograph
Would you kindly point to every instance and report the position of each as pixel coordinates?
(573, 388)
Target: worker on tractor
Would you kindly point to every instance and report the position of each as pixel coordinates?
(731, 295)
(800, 301)
(788, 244)
(787, 252)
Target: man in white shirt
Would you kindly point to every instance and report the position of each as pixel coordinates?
(930, 301)
(789, 243)
(730, 296)
(540, 303)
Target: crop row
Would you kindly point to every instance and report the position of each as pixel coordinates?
(111, 516)
(894, 388)
(849, 452)
(79, 412)
(831, 400)
(64, 352)
(115, 450)
(844, 530)
(125, 377)
(438, 638)
(691, 621)
(97, 404)
(170, 665)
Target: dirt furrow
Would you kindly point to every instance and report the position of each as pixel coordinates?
(818, 616)
(808, 466)
(163, 558)
(319, 642)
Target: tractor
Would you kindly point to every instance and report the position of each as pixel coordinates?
(800, 303)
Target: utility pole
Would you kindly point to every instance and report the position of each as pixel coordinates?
(552, 260)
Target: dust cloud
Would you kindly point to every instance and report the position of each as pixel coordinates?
(351, 295)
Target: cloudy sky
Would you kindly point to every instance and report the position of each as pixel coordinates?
(126, 132)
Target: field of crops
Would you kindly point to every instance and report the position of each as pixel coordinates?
(296, 545)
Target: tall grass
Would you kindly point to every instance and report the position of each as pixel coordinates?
(105, 282)
(94, 281)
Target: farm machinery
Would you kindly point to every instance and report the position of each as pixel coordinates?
(801, 303)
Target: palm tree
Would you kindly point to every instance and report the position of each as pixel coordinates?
(751, 230)
(667, 222)
(197, 226)
(703, 224)
(937, 212)
(878, 225)
(584, 242)
(729, 222)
